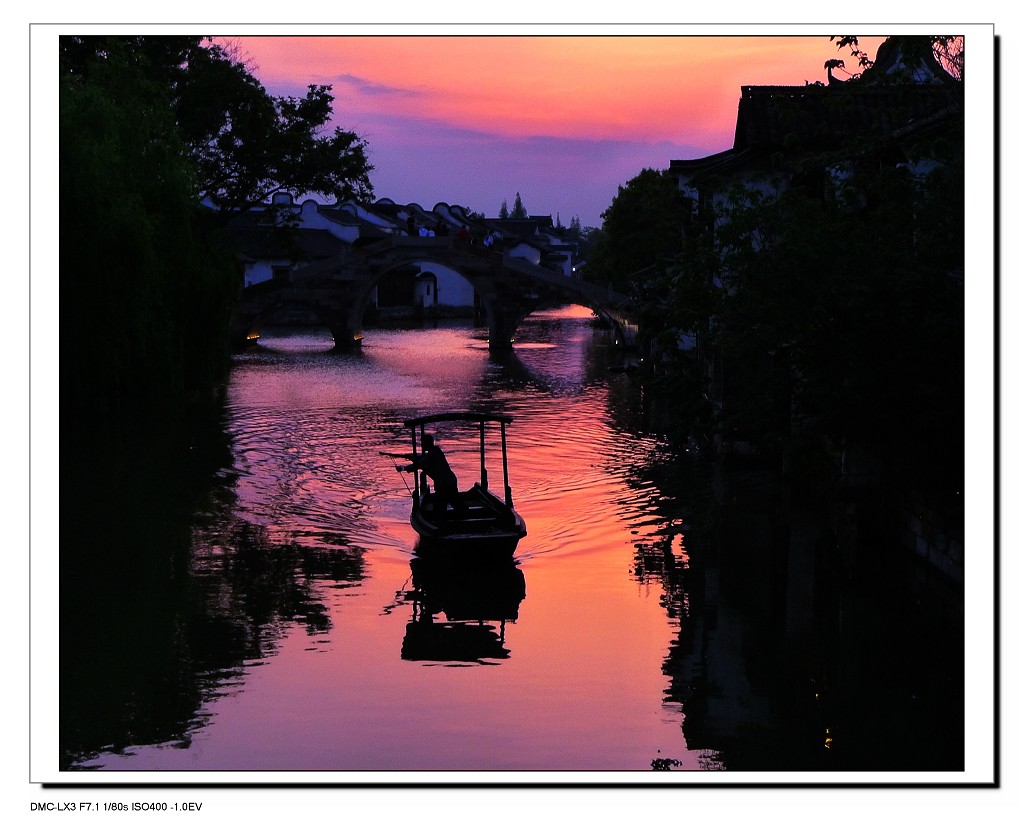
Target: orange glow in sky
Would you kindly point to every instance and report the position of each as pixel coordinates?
(562, 120)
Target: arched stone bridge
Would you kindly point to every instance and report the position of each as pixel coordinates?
(339, 290)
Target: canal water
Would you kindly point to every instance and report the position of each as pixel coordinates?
(274, 618)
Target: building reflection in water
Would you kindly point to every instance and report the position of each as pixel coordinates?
(803, 645)
(779, 650)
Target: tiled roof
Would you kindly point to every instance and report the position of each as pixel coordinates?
(255, 233)
(816, 117)
(773, 117)
(713, 165)
(386, 208)
(272, 244)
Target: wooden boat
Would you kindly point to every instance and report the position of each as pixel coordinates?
(487, 526)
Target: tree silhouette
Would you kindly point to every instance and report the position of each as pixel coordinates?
(149, 127)
(242, 143)
(643, 226)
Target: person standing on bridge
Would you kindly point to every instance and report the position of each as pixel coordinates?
(434, 463)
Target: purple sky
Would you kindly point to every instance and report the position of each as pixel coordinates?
(563, 121)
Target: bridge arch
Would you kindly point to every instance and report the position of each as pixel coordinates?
(351, 330)
(266, 304)
(508, 289)
(502, 314)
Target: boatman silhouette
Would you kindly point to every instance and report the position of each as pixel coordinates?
(434, 463)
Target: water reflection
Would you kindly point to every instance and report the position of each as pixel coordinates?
(168, 599)
(476, 603)
(800, 648)
(695, 617)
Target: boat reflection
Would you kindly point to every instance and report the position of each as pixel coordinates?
(459, 613)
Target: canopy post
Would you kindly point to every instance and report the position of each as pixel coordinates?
(504, 466)
(424, 488)
(483, 464)
(415, 473)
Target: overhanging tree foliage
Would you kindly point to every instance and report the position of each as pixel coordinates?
(840, 320)
(642, 228)
(248, 144)
(148, 127)
(244, 143)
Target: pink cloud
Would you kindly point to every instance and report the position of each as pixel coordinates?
(565, 118)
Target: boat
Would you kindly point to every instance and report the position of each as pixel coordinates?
(487, 525)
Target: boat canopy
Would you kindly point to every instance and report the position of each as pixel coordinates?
(458, 416)
(482, 419)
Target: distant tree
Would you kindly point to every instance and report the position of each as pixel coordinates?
(518, 210)
(503, 211)
(574, 225)
(587, 240)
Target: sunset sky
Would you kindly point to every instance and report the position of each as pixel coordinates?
(472, 120)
